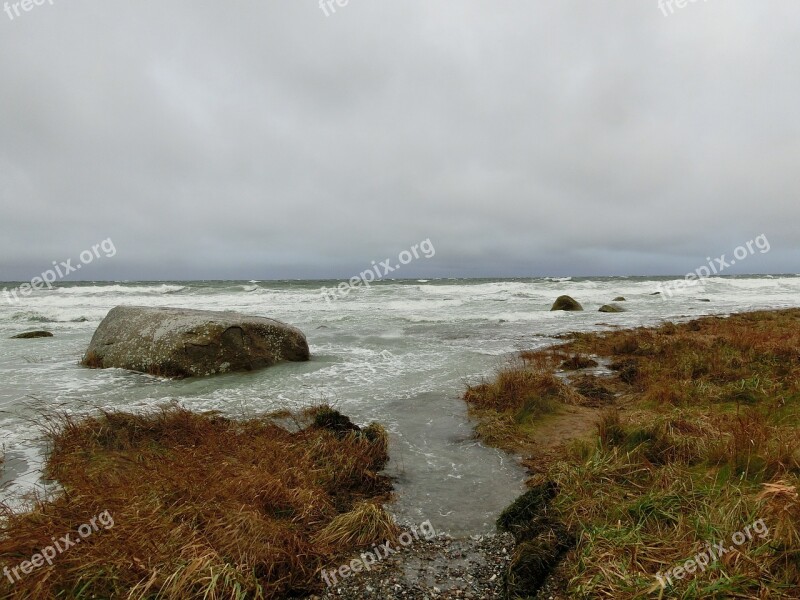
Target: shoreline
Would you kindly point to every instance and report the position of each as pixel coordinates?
(478, 566)
(404, 578)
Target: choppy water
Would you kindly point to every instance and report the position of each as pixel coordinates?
(398, 352)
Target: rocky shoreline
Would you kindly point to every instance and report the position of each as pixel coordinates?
(442, 567)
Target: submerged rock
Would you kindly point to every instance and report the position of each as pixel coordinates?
(177, 342)
(333, 420)
(32, 334)
(620, 299)
(566, 303)
(611, 308)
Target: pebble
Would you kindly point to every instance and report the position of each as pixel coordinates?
(441, 568)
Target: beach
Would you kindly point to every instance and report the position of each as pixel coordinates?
(406, 368)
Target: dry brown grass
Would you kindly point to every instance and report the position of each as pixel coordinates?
(702, 440)
(363, 526)
(516, 400)
(203, 506)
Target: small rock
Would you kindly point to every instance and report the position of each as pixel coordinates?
(32, 334)
(566, 303)
(611, 308)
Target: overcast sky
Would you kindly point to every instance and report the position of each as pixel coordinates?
(264, 139)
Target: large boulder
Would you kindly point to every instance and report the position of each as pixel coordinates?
(566, 303)
(177, 342)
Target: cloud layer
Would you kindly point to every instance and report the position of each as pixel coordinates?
(266, 140)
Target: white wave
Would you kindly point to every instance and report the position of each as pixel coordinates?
(477, 290)
(415, 306)
(33, 317)
(747, 284)
(120, 289)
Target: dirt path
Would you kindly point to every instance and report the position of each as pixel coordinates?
(573, 423)
(558, 431)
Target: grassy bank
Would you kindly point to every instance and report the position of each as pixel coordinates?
(174, 504)
(695, 437)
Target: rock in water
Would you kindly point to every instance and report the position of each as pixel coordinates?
(177, 342)
(32, 334)
(620, 299)
(566, 303)
(611, 308)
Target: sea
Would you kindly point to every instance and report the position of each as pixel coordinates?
(399, 352)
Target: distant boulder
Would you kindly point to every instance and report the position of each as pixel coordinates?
(32, 334)
(566, 303)
(176, 342)
(620, 299)
(611, 308)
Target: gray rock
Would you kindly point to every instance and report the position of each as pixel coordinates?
(620, 299)
(611, 308)
(177, 342)
(32, 334)
(566, 303)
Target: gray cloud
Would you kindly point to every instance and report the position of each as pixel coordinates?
(265, 140)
